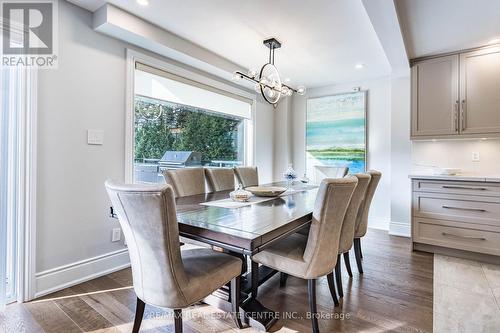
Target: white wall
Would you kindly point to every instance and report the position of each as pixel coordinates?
(379, 138)
(87, 91)
(400, 156)
(282, 138)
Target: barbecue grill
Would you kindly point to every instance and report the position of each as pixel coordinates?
(151, 170)
(179, 159)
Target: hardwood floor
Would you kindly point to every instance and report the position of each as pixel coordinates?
(394, 294)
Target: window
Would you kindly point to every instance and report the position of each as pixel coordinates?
(179, 122)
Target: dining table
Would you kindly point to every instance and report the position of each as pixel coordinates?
(243, 230)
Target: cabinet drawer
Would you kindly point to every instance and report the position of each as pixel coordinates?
(453, 187)
(458, 238)
(475, 210)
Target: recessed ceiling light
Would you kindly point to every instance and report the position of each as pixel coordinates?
(494, 41)
(359, 66)
(143, 2)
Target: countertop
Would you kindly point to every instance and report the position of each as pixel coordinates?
(460, 177)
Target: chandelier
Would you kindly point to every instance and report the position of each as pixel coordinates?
(268, 81)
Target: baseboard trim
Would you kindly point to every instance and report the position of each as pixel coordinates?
(378, 223)
(65, 276)
(399, 229)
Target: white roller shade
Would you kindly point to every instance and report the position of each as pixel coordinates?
(158, 84)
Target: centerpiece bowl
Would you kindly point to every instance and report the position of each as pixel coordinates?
(266, 191)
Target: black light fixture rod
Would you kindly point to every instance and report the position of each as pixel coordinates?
(247, 77)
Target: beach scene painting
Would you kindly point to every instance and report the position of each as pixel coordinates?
(336, 132)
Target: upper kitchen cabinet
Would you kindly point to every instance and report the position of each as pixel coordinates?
(457, 96)
(480, 91)
(435, 97)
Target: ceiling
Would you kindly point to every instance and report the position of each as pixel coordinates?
(438, 26)
(321, 43)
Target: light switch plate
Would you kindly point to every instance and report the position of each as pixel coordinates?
(95, 137)
(116, 235)
(475, 156)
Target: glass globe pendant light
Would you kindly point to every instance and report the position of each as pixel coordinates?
(268, 81)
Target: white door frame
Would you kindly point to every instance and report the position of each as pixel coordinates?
(28, 199)
(26, 170)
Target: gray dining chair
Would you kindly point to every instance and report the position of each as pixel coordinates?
(348, 228)
(322, 171)
(247, 176)
(163, 275)
(186, 182)
(362, 218)
(219, 179)
(310, 257)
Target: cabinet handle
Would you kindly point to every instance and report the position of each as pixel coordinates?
(464, 237)
(464, 188)
(456, 115)
(467, 209)
(462, 114)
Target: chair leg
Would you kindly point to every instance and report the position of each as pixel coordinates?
(235, 301)
(338, 277)
(178, 320)
(357, 252)
(331, 285)
(255, 279)
(347, 263)
(283, 278)
(360, 252)
(311, 286)
(139, 313)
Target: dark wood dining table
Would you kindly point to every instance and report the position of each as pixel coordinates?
(244, 231)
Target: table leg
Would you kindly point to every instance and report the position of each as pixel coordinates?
(257, 314)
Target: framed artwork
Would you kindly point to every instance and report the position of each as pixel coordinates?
(336, 132)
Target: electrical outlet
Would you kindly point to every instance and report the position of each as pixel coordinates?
(116, 235)
(475, 156)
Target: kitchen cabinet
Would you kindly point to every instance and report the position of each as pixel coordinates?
(456, 96)
(435, 97)
(480, 91)
(456, 215)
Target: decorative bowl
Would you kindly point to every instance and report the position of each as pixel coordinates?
(447, 171)
(266, 191)
(240, 195)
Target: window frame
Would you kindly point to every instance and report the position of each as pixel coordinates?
(134, 56)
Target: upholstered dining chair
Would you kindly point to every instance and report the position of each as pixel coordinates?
(310, 257)
(185, 182)
(163, 275)
(323, 171)
(362, 218)
(219, 179)
(348, 228)
(247, 176)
